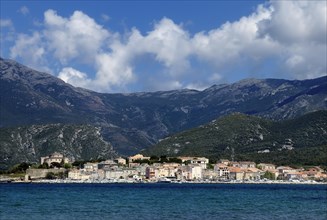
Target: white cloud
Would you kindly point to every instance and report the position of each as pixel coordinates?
(78, 37)
(300, 30)
(74, 77)
(280, 36)
(32, 50)
(113, 71)
(296, 22)
(24, 10)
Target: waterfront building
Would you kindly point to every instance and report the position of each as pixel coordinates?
(222, 171)
(78, 175)
(236, 173)
(91, 167)
(120, 173)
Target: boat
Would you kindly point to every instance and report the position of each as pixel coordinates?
(164, 180)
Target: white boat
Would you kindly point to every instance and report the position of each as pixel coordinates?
(164, 180)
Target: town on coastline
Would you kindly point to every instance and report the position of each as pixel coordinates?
(141, 169)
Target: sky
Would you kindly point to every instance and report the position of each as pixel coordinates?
(141, 46)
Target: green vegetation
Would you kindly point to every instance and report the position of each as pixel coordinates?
(19, 168)
(161, 159)
(301, 141)
(60, 175)
(268, 175)
(29, 143)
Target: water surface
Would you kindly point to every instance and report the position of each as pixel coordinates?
(162, 201)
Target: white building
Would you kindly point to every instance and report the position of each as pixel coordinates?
(201, 161)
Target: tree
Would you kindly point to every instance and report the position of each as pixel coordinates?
(44, 166)
(163, 159)
(20, 168)
(269, 175)
(67, 166)
(175, 160)
(50, 176)
(55, 164)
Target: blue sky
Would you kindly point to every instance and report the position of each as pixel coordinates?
(128, 46)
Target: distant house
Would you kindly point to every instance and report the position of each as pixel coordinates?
(201, 161)
(243, 164)
(91, 167)
(247, 164)
(224, 161)
(236, 173)
(222, 170)
(107, 164)
(266, 166)
(137, 157)
(78, 175)
(120, 161)
(54, 157)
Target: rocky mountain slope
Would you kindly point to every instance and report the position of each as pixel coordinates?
(243, 137)
(135, 121)
(28, 144)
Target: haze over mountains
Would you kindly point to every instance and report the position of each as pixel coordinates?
(132, 122)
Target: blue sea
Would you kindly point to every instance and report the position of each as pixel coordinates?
(162, 201)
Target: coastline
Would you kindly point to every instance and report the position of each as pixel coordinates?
(67, 181)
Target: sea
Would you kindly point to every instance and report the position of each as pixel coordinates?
(162, 201)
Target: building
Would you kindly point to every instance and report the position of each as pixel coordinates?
(78, 175)
(137, 157)
(266, 166)
(120, 173)
(189, 172)
(91, 167)
(222, 171)
(107, 164)
(246, 164)
(201, 161)
(236, 173)
(224, 161)
(151, 173)
(252, 174)
(54, 157)
(120, 161)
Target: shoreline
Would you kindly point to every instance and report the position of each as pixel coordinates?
(66, 181)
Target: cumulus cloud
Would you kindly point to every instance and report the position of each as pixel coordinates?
(76, 37)
(32, 49)
(300, 30)
(281, 36)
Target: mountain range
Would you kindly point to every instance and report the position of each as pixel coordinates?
(135, 121)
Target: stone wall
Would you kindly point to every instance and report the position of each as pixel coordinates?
(41, 173)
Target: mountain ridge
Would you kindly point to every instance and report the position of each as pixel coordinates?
(134, 121)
